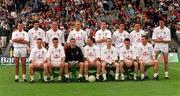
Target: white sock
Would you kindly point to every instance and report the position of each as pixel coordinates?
(122, 76)
(104, 77)
(166, 74)
(135, 75)
(80, 75)
(67, 76)
(45, 78)
(59, 78)
(16, 76)
(24, 76)
(32, 77)
(86, 77)
(51, 77)
(97, 76)
(116, 76)
(142, 76)
(155, 74)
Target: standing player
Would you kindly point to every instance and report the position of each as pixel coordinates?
(162, 37)
(54, 33)
(119, 36)
(56, 59)
(35, 33)
(38, 60)
(109, 58)
(102, 35)
(79, 35)
(128, 58)
(146, 57)
(92, 55)
(20, 44)
(135, 35)
(74, 56)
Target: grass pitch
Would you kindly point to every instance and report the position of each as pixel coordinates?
(149, 87)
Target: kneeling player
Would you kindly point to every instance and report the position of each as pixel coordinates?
(109, 58)
(127, 59)
(146, 57)
(92, 55)
(56, 59)
(38, 60)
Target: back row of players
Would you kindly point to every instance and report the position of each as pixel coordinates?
(129, 50)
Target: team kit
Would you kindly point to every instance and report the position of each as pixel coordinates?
(119, 50)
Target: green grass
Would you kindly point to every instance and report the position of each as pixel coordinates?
(126, 88)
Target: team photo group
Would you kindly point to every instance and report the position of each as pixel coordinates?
(119, 50)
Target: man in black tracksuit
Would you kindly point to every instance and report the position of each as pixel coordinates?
(74, 56)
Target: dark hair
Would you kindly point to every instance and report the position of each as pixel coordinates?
(145, 36)
(55, 39)
(137, 22)
(103, 21)
(72, 39)
(127, 39)
(92, 39)
(39, 39)
(35, 21)
(109, 39)
(19, 21)
(122, 22)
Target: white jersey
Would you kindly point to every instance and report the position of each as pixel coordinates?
(51, 34)
(125, 53)
(22, 34)
(38, 55)
(35, 34)
(80, 37)
(109, 55)
(55, 54)
(164, 34)
(135, 37)
(146, 52)
(102, 34)
(118, 38)
(91, 53)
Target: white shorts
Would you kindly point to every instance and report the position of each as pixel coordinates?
(161, 47)
(55, 64)
(38, 62)
(20, 52)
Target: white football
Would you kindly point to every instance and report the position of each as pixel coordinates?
(92, 78)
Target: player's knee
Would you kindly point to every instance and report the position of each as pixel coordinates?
(81, 64)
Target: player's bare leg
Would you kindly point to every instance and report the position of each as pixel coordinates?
(45, 67)
(31, 67)
(142, 63)
(165, 57)
(61, 70)
(155, 66)
(16, 60)
(50, 69)
(117, 70)
(81, 65)
(135, 63)
(66, 70)
(23, 61)
(121, 69)
(98, 69)
(104, 71)
(86, 68)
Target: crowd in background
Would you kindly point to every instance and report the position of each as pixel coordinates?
(90, 13)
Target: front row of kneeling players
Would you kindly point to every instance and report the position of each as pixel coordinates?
(93, 57)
